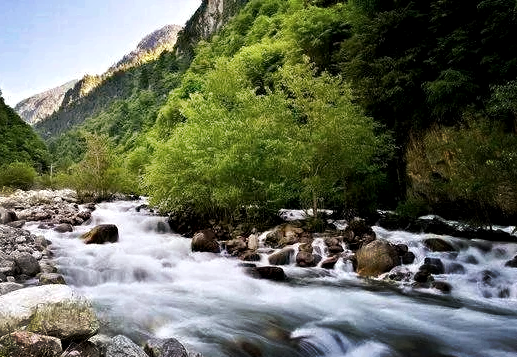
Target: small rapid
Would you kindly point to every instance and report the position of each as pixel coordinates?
(150, 284)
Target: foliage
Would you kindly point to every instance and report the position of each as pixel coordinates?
(18, 142)
(19, 175)
(474, 165)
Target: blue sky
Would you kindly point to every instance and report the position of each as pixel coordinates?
(45, 43)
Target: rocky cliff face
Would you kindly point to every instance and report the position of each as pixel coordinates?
(151, 46)
(209, 17)
(40, 106)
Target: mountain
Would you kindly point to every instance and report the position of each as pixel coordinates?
(151, 46)
(40, 106)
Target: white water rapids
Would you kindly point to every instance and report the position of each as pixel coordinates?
(151, 284)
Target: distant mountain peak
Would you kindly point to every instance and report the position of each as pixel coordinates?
(41, 105)
(150, 47)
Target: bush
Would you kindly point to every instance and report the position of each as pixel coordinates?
(18, 175)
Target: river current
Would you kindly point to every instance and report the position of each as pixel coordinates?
(150, 284)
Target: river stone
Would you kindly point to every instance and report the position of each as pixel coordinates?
(376, 257)
(7, 287)
(438, 245)
(103, 233)
(7, 216)
(7, 264)
(55, 310)
(236, 246)
(83, 349)
(330, 262)
(28, 344)
(443, 286)
(282, 257)
(26, 263)
(432, 266)
(51, 278)
(121, 346)
(253, 242)
(169, 347)
(267, 272)
(205, 241)
(305, 259)
(250, 256)
(512, 263)
(358, 234)
(64, 228)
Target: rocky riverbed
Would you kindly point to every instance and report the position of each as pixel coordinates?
(40, 316)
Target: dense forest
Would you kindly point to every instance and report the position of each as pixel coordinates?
(351, 106)
(22, 152)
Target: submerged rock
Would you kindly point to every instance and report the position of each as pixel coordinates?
(432, 266)
(267, 272)
(438, 245)
(376, 258)
(512, 263)
(103, 233)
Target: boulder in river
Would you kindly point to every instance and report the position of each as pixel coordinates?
(25, 344)
(376, 257)
(282, 257)
(432, 266)
(330, 262)
(267, 272)
(54, 310)
(512, 263)
(205, 241)
(103, 233)
(169, 347)
(438, 245)
(51, 278)
(7, 216)
(358, 234)
(64, 228)
(306, 259)
(26, 263)
(121, 346)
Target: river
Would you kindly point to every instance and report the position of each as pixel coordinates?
(151, 284)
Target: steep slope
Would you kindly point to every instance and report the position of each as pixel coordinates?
(18, 142)
(40, 106)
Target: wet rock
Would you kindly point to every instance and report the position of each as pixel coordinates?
(267, 272)
(64, 228)
(408, 258)
(512, 263)
(7, 216)
(422, 277)
(103, 233)
(82, 349)
(330, 262)
(250, 256)
(376, 258)
(169, 347)
(443, 286)
(26, 263)
(8, 287)
(25, 344)
(305, 259)
(438, 245)
(7, 264)
(282, 257)
(121, 346)
(432, 266)
(236, 246)
(470, 259)
(17, 224)
(335, 249)
(455, 268)
(358, 234)
(51, 278)
(250, 349)
(399, 276)
(253, 242)
(54, 310)
(205, 241)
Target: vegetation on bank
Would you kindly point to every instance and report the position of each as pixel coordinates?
(314, 104)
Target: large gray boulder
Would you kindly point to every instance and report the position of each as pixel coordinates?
(26, 263)
(282, 257)
(121, 346)
(7, 287)
(53, 310)
(376, 257)
(7, 216)
(169, 347)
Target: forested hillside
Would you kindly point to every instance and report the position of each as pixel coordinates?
(22, 152)
(321, 104)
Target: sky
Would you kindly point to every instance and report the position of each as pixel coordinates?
(46, 43)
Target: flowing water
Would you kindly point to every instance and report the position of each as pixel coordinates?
(151, 284)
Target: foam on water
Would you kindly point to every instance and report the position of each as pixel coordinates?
(151, 284)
